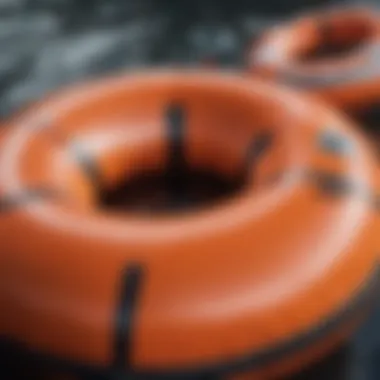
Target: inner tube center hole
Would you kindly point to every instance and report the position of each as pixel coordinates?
(337, 42)
(165, 192)
(368, 118)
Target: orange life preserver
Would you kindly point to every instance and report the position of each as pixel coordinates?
(335, 54)
(263, 282)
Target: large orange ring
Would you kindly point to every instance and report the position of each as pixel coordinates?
(287, 54)
(266, 282)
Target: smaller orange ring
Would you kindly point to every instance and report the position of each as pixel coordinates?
(285, 54)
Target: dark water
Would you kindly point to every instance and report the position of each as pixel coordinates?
(46, 44)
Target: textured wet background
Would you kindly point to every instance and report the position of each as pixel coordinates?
(45, 44)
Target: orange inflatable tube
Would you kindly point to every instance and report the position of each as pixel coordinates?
(335, 54)
(258, 284)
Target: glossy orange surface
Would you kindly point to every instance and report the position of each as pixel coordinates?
(262, 268)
